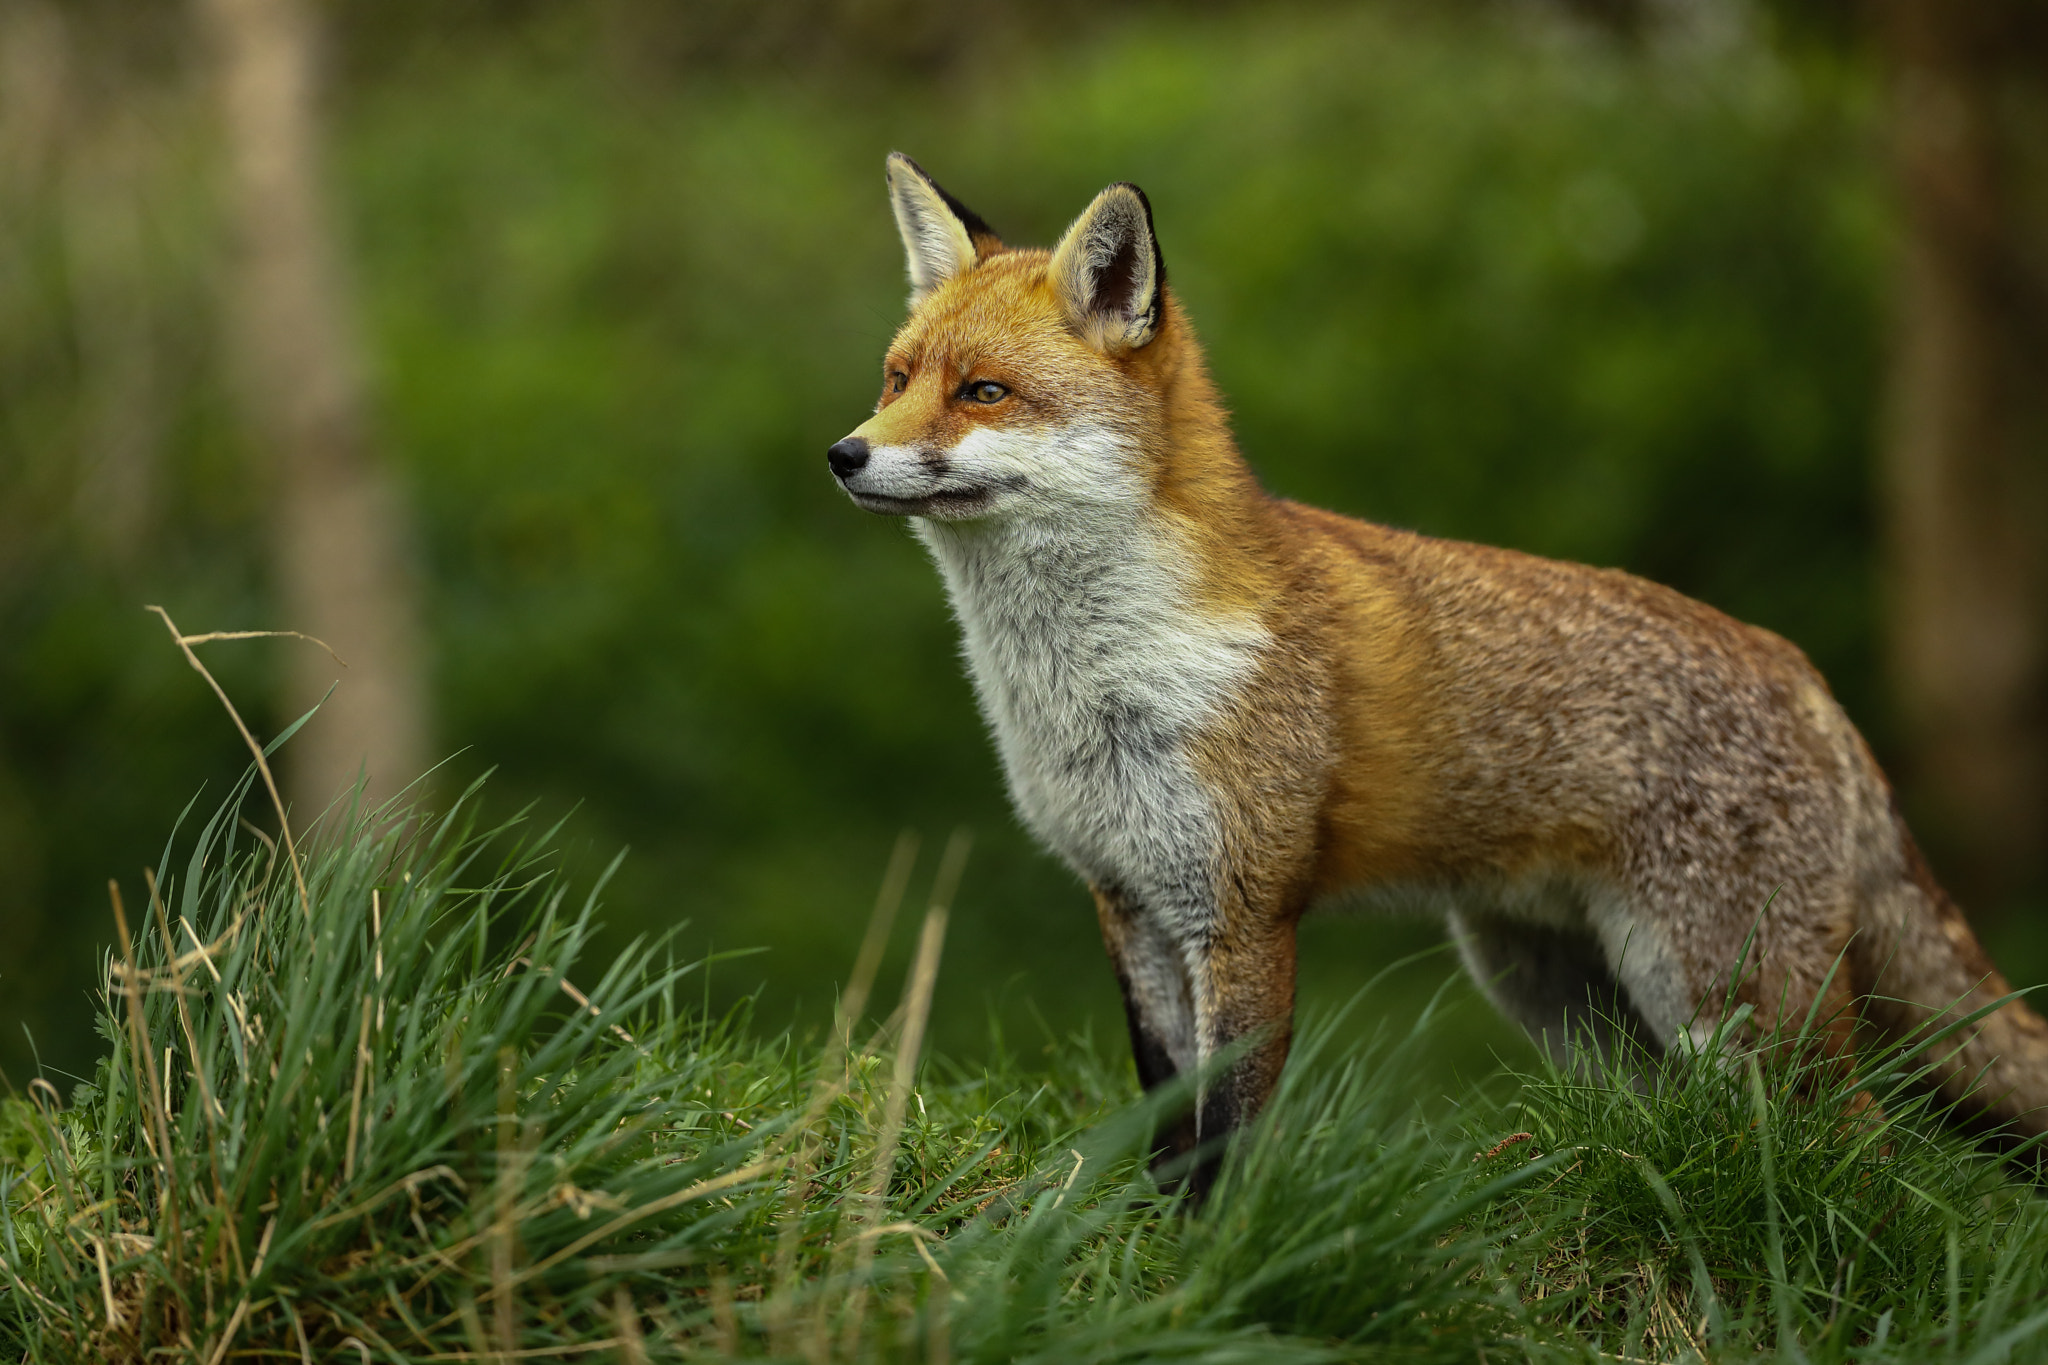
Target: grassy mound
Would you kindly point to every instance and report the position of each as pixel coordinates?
(382, 1111)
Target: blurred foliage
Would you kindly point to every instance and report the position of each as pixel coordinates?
(1489, 272)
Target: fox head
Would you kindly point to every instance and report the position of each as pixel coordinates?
(1025, 382)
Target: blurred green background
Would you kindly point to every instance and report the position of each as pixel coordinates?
(1492, 272)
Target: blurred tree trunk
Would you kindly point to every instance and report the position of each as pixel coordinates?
(340, 549)
(1967, 446)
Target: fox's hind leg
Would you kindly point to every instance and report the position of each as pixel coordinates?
(1557, 984)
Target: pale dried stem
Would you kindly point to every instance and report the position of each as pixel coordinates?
(227, 1338)
(529, 1353)
(404, 1184)
(866, 962)
(510, 1171)
(199, 951)
(355, 1099)
(377, 948)
(208, 1105)
(145, 1074)
(213, 635)
(888, 897)
(284, 826)
(99, 1256)
(917, 999)
(703, 1189)
(725, 1324)
(632, 1346)
(298, 1330)
(568, 988)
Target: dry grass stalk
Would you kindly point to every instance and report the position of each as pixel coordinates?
(99, 1256)
(632, 1345)
(208, 1105)
(703, 1189)
(568, 988)
(185, 643)
(146, 1081)
(355, 1099)
(888, 898)
(377, 949)
(725, 1324)
(917, 1000)
(529, 1353)
(778, 1311)
(502, 1227)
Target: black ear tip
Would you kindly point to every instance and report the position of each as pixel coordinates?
(1143, 202)
(975, 224)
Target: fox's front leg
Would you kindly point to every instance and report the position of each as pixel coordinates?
(1190, 999)
(1152, 972)
(1243, 989)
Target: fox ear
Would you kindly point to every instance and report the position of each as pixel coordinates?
(941, 235)
(1108, 272)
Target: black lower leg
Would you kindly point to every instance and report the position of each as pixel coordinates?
(1222, 1111)
(1174, 1137)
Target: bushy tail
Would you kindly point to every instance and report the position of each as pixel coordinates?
(1921, 967)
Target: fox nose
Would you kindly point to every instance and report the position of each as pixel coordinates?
(849, 456)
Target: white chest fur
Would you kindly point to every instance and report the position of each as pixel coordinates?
(1095, 669)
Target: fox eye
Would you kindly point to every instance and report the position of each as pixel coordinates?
(985, 391)
(898, 381)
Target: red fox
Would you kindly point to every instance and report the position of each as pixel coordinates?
(1220, 707)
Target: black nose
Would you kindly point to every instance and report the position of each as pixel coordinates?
(850, 456)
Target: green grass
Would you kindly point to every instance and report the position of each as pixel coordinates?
(401, 1118)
